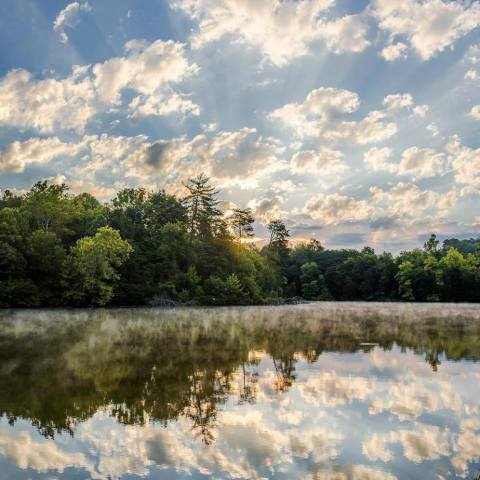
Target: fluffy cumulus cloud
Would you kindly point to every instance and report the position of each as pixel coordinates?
(146, 68)
(27, 453)
(237, 157)
(404, 199)
(336, 208)
(475, 112)
(422, 443)
(69, 17)
(394, 51)
(149, 69)
(48, 104)
(321, 116)
(17, 155)
(427, 26)
(465, 162)
(415, 162)
(322, 161)
(267, 208)
(280, 30)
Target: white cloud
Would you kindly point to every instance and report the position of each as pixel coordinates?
(465, 162)
(394, 51)
(280, 30)
(238, 157)
(161, 104)
(475, 112)
(17, 155)
(397, 101)
(335, 208)
(146, 68)
(428, 26)
(325, 160)
(472, 74)
(49, 104)
(472, 56)
(420, 110)
(415, 162)
(404, 199)
(46, 105)
(421, 163)
(347, 34)
(267, 208)
(375, 448)
(40, 456)
(400, 101)
(423, 442)
(376, 159)
(320, 116)
(467, 445)
(69, 17)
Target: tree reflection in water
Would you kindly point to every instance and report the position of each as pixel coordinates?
(58, 368)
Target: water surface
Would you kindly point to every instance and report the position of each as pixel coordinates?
(340, 391)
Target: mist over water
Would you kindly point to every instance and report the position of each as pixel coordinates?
(320, 391)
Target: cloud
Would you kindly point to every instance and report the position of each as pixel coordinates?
(320, 116)
(472, 74)
(237, 157)
(467, 445)
(40, 456)
(397, 101)
(46, 105)
(280, 30)
(421, 163)
(376, 159)
(422, 443)
(69, 17)
(428, 26)
(148, 69)
(375, 448)
(325, 160)
(415, 162)
(404, 199)
(394, 51)
(351, 472)
(17, 155)
(347, 34)
(266, 209)
(465, 162)
(475, 112)
(335, 208)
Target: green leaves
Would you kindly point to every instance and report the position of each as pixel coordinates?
(90, 270)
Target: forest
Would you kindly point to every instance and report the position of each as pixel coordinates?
(153, 248)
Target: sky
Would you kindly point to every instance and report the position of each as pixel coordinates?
(355, 121)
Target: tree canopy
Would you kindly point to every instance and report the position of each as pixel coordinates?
(153, 248)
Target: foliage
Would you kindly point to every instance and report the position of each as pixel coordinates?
(155, 248)
(90, 268)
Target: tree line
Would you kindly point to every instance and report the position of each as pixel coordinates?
(153, 248)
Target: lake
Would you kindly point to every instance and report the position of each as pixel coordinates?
(344, 391)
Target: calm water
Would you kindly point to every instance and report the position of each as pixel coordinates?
(320, 391)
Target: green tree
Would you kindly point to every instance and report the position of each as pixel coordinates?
(204, 216)
(91, 268)
(242, 221)
(45, 256)
(431, 245)
(313, 284)
(404, 277)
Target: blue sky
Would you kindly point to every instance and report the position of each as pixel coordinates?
(357, 122)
